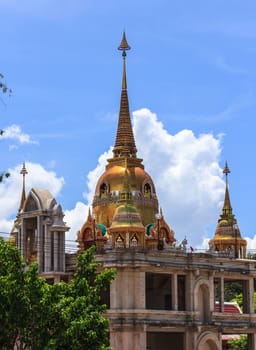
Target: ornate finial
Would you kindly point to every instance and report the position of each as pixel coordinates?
(23, 172)
(226, 170)
(124, 45)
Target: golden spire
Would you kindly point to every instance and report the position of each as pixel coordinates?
(125, 143)
(23, 193)
(227, 209)
(227, 235)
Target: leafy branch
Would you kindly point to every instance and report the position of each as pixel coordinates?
(4, 89)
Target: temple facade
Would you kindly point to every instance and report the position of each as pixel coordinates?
(164, 296)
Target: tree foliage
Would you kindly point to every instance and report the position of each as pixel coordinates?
(232, 289)
(3, 86)
(241, 343)
(4, 89)
(238, 344)
(37, 315)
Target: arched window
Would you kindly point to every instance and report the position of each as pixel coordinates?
(103, 190)
(147, 190)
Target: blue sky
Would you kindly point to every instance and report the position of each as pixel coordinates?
(191, 72)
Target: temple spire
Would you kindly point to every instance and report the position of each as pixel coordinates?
(23, 193)
(125, 143)
(227, 235)
(227, 209)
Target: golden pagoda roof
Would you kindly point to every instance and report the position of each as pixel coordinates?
(227, 234)
(125, 142)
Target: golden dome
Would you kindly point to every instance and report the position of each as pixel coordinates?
(110, 186)
(114, 178)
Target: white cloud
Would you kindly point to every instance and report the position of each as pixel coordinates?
(94, 175)
(251, 243)
(5, 227)
(186, 173)
(14, 132)
(75, 218)
(184, 168)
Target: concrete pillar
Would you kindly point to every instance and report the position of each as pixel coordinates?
(127, 340)
(19, 238)
(251, 295)
(211, 291)
(62, 251)
(251, 341)
(190, 339)
(139, 289)
(47, 250)
(39, 244)
(174, 292)
(23, 239)
(222, 294)
(55, 251)
(248, 297)
(189, 301)
(132, 285)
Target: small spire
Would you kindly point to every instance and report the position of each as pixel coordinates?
(89, 216)
(227, 209)
(23, 172)
(227, 234)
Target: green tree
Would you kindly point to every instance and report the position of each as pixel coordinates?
(232, 289)
(78, 308)
(12, 305)
(4, 89)
(238, 344)
(241, 343)
(36, 315)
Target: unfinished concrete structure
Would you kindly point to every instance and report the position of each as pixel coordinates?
(164, 296)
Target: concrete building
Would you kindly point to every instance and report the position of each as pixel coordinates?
(164, 296)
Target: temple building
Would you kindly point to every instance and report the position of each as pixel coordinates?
(164, 296)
